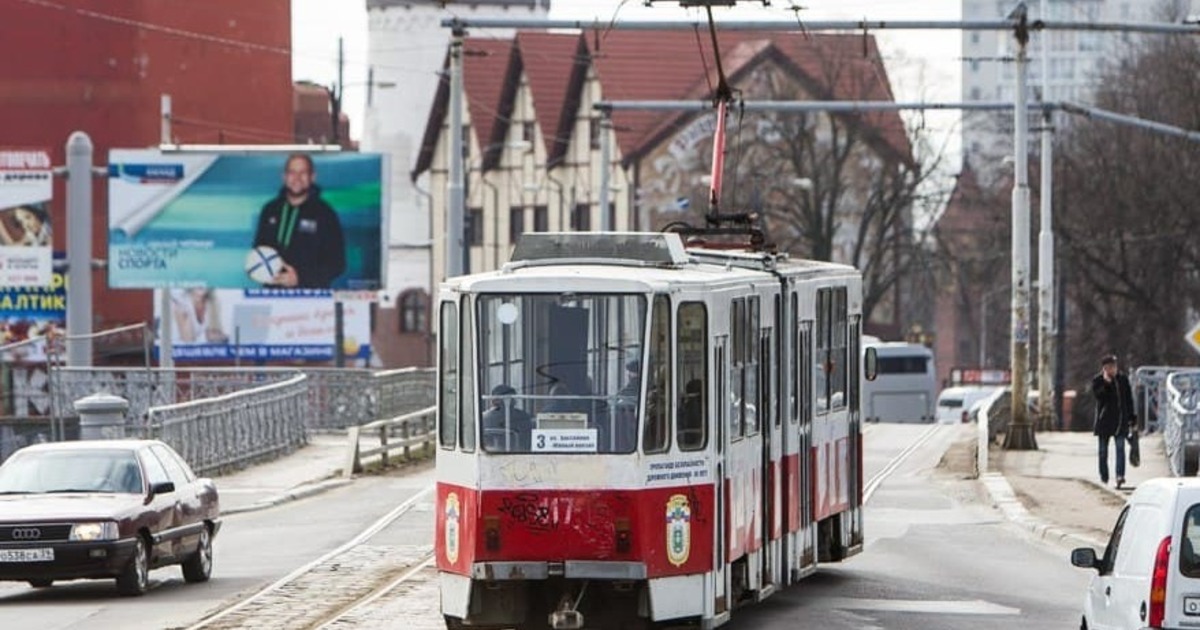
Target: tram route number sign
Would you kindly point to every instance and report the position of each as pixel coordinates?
(1193, 337)
(564, 440)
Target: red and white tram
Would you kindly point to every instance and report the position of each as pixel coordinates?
(636, 433)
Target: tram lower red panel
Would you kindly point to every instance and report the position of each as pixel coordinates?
(669, 529)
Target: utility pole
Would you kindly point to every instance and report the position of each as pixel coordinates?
(606, 128)
(79, 249)
(1046, 293)
(456, 248)
(1020, 435)
(339, 313)
(166, 337)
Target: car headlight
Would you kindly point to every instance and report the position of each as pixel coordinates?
(87, 532)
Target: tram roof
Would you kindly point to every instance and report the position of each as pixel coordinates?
(632, 262)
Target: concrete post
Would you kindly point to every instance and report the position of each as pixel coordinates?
(166, 338)
(101, 417)
(79, 249)
(1046, 282)
(1020, 434)
(456, 247)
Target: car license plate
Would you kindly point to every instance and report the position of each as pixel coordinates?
(27, 555)
(1191, 605)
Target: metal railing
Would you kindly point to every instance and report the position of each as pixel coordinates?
(1181, 422)
(402, 433)
(1150, 392)
(228, 431)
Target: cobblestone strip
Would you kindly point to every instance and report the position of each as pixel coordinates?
(413, 604)
(328, 589)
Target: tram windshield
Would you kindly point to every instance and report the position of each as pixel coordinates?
(560, 373)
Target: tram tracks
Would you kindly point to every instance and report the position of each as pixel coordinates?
(324, 590)
(362, 585)
(878, 478)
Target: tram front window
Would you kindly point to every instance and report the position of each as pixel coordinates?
(560, 372)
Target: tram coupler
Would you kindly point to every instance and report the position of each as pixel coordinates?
(568, 617)
(566, 620)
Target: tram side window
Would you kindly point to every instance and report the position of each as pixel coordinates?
(855, 371)
(737, 360)
(448, 364)
(821, 356)
(793, 359)
(691, 365)
(466, 431)
(751, 404)
(657, 436)
(838, 349)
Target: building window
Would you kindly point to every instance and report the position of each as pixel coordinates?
(975, 94)
(541, 219)
(581, 218)
(474, 226)
(528, 132)
(411, 305)
(594, 132)
(516, 224)
(974, 37)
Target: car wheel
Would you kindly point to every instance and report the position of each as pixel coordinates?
(40, 583)
(198, 566)
(135, 577)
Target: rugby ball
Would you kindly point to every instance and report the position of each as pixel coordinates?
(263, 263)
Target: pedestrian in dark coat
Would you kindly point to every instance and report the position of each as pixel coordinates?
(1114, 414)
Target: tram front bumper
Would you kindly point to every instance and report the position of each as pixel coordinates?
(570, 569)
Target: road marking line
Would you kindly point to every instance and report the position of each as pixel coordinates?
(882, 475)
(934, 607)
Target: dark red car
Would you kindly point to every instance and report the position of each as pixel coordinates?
(104, 509)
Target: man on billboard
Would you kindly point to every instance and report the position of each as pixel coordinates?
(301, 230)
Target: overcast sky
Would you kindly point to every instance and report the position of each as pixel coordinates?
(923, 65)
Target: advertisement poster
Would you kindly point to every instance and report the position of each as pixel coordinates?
(245, 220)
(26, 187)
(32, 313)
(259, 325)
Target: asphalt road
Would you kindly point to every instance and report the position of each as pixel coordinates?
(937, 557)
(252, 551)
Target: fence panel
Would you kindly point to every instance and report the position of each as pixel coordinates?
(233, 430)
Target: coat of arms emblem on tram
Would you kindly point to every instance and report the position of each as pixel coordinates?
(679, 529)
(451, 530)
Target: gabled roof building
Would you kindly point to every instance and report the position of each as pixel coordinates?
(533, 134)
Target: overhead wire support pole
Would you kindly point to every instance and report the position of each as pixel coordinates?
(1131, 121)
(1020, 435)
(1046, 279)
(166, 336)
(456, 247)
(606, 130)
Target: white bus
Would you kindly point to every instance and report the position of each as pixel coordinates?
(905, 389)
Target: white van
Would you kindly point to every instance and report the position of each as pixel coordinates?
(954, 402)
(1149, 576)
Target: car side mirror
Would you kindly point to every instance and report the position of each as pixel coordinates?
(1084, 558)
(871, 364)
(162, 487)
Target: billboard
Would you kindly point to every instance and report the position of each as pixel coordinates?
(245, 220)
(26, 187)
(32, 313)
(258, 325)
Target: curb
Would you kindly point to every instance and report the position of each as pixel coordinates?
(1006, 500)
(295, 494)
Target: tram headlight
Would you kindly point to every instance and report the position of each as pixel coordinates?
(491, 533)
(624, 538)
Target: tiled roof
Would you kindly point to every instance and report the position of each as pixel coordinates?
(649, 65)
(556, 65)
(656, 65)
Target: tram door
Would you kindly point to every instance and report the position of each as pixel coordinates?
(806, 394)
(770, 491)
(720, 409)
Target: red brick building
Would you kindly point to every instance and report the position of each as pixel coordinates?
(101, 68)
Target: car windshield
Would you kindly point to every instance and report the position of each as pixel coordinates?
(110, 471)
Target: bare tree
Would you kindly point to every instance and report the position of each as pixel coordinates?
(1128, 216)
(838, 187)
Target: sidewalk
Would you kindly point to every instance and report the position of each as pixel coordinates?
(1055, 491)
(313, 469)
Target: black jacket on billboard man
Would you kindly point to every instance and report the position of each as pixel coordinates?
(304, 229)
